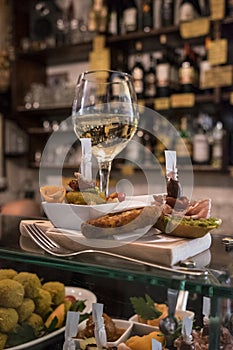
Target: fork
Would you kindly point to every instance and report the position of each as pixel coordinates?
(53, 248)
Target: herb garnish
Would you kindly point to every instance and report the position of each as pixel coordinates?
(145, 307)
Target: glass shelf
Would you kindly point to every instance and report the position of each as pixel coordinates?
(216, 261)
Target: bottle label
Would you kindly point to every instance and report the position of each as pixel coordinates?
(217, 149)
(187, 12)
(150, 78)
(200, 149)
(137, 73)
(130, 19)
(163, 74)
(150, 84)
(186, 75)
(138, 86)
(112, 27)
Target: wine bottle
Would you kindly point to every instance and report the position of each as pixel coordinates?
(189, 10)
(138, 72)
(147, 15)
(157, 8)
(119, 66)
(186, 71)
(167, 13)
(217, 148)
(163, 68)
(97, 21)
(129, 17)
(201, 147)
(150, 79)
(204, 66)
(183, 143)
(229, 8)
(174, 72)
(113, 18)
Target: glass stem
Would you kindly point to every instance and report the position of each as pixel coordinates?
(104, 174)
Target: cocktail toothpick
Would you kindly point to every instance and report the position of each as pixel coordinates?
(72, 322)
(86, 163)
(100, 332)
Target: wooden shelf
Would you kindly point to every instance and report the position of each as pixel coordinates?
(58, 55)
(14, 154)
(48, 109)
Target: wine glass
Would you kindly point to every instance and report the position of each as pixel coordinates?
(105, 110)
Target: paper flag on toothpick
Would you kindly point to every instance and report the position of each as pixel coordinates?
(86, 164)
(72, 322)
(99, 331)
(206, 310)
(187, 325)
(170, 157)
(156, 345)
(206, 306)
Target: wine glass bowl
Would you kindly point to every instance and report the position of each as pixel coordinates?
(105, 110)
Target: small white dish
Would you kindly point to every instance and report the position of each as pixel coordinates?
(127, 325)
(82, 294)
(71, 216)
(179, 314)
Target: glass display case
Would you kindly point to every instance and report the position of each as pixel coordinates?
(115, 280)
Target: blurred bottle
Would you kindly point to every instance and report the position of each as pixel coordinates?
(157, 9)
(167, 13)
(129, 17)
(186, 71)
(147, 15)
(183, 145)
(28, 189)
(204, 66)
(97, 21)
(217, 148)
(150, 79)
(201, 147)
(138, 72)
(174, 72)
(229, 8)
(205, 7)
(113, 17)
(120, 66)
(163, 70)
(189, 10)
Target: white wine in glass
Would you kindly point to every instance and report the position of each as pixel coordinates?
(105, 110)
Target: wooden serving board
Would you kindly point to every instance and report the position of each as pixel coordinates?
(152, 247)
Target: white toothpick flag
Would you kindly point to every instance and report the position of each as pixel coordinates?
(170, 157)
(187, 325)
(206, 310)
(86, 165)
(100, 332)
(72, 322)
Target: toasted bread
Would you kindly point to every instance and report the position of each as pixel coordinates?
(122, 222)
(186, 227)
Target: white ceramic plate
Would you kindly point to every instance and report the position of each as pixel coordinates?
(79, 293)
(83, 294)
(71, 216)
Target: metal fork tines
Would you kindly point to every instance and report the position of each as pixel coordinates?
(47, 244)
(53, 248)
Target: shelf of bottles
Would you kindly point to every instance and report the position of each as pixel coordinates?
(176, 55)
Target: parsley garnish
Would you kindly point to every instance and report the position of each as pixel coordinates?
(145, 307)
